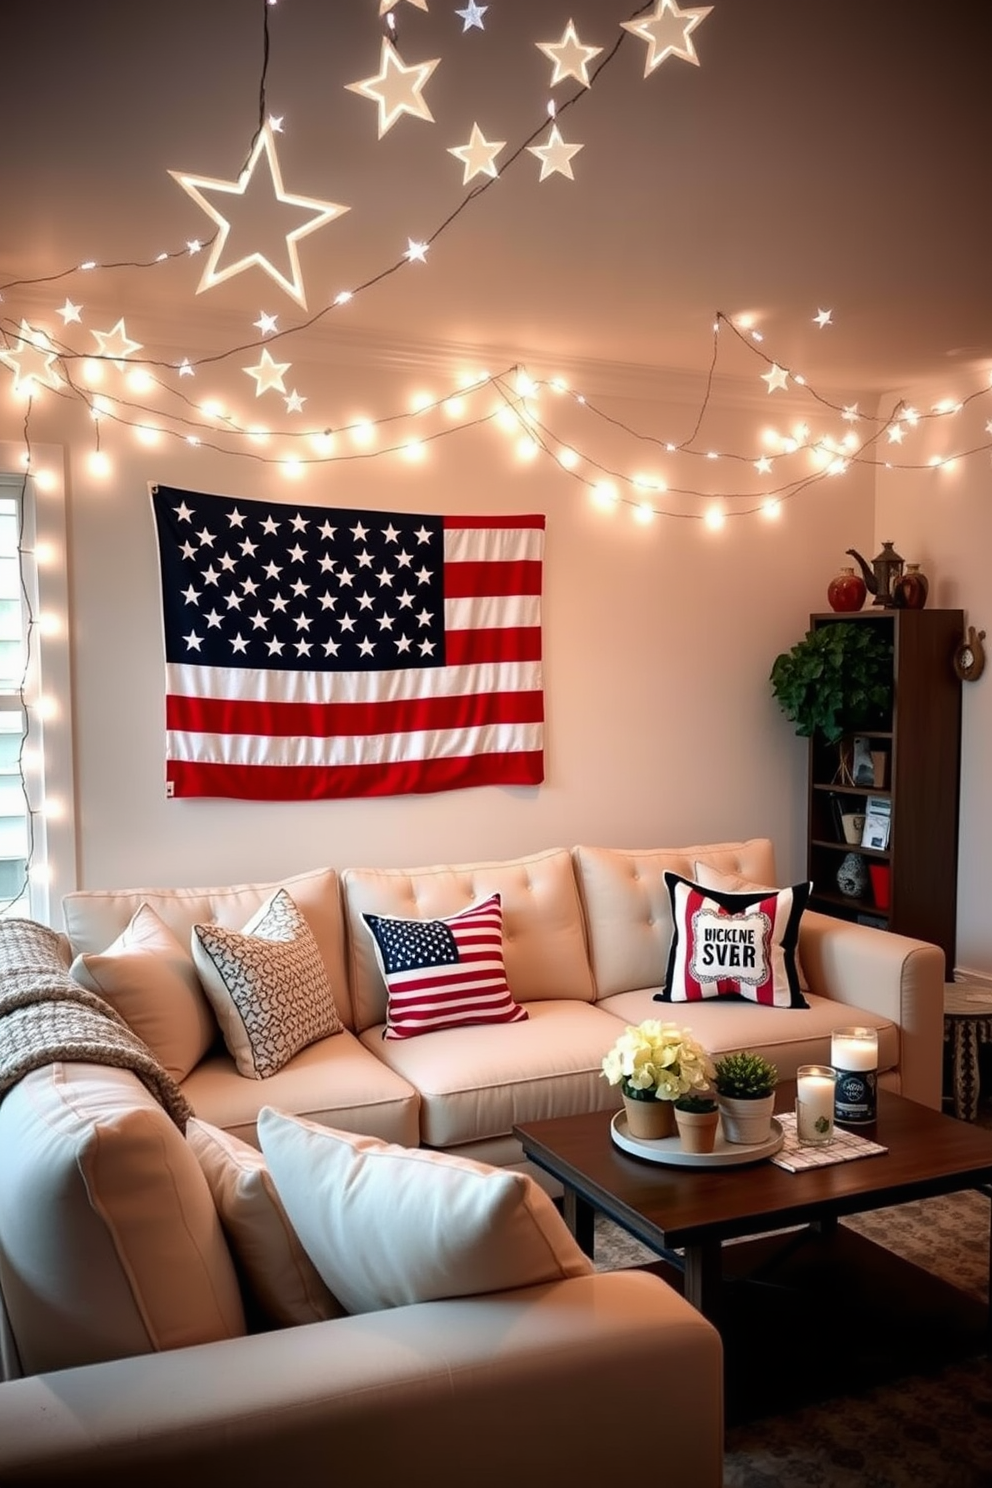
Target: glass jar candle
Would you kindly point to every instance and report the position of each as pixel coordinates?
(854, 1055)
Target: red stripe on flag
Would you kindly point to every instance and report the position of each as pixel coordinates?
(335, 720)
(514, 576)
(321, 782)
(473, 647)
(454, 524)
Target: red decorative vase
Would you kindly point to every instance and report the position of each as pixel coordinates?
(847, 591)
(910, 591)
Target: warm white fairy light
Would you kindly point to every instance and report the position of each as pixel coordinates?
(454, 407)
(292, 467)
(527, 448)
(420, 402)
(92, 372)
(147, 434)
(644, 512)
(322, 442)
(715, 518)
(771, 509)
(362, 433)
(140, 380)
(506, 419)
(258, 435)
(99, 463)
(45, 480)
(568, 458)
(605, 494)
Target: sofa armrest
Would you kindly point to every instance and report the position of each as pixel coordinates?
(891, 975)
(492, 1390)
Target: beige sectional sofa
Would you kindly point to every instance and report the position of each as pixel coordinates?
(138, 1369)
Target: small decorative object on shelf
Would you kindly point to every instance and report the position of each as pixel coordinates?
(969, 658)
(852, 879)
(745, 1082)
(654, 1063)
(910, 591)
(880, 578)
(697, 1118)
(846, 591)
(854, 1055)
(815, 1087)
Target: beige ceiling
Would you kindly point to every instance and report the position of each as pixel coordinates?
(825, 154)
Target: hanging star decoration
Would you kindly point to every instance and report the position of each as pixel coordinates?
(70, 312)
(472, 16)
(778, 377)
(266, 323)
(478, 156)
(318, 214)
(31, 356)
(115, 344)
(268, 374)
(294, 402)
(668, 32)
(396, 89)
(824, 318)
(555, 156)
(570, 57)
(416, 252)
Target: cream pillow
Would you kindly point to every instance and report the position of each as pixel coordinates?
(387, 1225)
(148, 976)
(735, 883)
(268, 986)
(276, 1269)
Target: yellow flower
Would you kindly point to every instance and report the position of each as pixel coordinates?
(659, 1058)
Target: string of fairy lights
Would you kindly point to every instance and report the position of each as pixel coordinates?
(43, 363)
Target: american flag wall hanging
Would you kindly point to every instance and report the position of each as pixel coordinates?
(317, 652)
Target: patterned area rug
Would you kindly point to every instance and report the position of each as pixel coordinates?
(921, 1430)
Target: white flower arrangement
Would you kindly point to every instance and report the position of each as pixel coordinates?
(658, 1061)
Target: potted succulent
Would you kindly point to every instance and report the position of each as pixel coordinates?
(697, 1118)
(654, 1063)
(837, 678)
(745, 1083)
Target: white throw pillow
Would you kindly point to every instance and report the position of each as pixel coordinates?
(387, 1225)
(268, 986)
(276, 1269)
(148, 976)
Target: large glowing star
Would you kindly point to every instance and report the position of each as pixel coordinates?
(241, 191)
(555, 156)
(668, 32)
(396, 89)
(31, 356)
(479, 155)
(268, 373)
(570, 57)
(115, 344)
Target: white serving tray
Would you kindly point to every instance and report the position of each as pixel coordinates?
(670, 1152)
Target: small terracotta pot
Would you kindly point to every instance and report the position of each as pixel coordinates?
(747, 1121)
(697, 1129)
(649, 1120)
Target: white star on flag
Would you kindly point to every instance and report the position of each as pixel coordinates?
(268, 374)
(479, 155)
(555, 156)
(396, 89)
(776, 378)
(570, 57)
(319, 213)
(668, 32)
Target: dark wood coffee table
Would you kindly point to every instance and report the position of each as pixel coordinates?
(695, 1210)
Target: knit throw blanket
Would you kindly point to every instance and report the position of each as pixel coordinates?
(46, 1016)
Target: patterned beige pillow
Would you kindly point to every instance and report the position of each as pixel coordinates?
(267, 985)
(282, 1279)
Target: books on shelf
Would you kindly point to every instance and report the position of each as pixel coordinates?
(878, 819)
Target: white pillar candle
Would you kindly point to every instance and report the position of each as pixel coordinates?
(854, 1049)
(815, 1084)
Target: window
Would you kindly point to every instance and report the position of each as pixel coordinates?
(37, 846)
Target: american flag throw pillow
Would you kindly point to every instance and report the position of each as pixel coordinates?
(444, 973)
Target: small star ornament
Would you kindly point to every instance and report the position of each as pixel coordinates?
(317, 213)
(472, 16)
(777, 377)
(668, 32)
(70, 312)
(115, 344)
(571, 59)
(824, 318)
(555, 156)
(268, 373)
(478, 156)
(396, 89)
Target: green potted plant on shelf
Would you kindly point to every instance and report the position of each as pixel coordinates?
(697, 1117)
(836, 679)
(745, 1083)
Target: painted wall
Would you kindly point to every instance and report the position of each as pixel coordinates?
(661, 727)
(941, 517)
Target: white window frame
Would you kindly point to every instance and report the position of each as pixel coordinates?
(45, 694)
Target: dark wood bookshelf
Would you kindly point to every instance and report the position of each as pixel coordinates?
(922, 748)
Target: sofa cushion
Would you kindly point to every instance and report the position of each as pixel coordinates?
(93, 917)
(445, 973)
(387, 1225)
(268, 986)
(149, 977)
(736, 883)
(543, 936)
(627, 906)
(734, 945)
(279, 1275)
(474, 1087)
(110, 1244)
